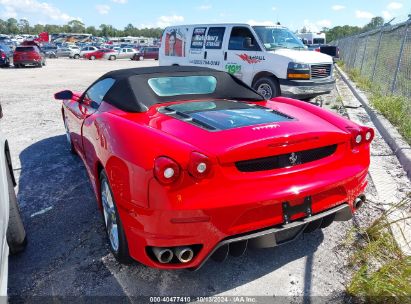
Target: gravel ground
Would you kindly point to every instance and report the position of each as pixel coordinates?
(67, 254)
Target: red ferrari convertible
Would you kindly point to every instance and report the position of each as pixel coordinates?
(189, 163)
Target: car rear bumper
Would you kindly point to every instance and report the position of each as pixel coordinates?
(34, 61)
(182, 222)
(306, 88)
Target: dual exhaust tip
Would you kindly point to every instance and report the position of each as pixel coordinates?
(359, 201)
(166, 255)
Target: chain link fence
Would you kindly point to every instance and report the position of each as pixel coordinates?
(383, 56)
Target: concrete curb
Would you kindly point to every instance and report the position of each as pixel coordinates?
(388, 132)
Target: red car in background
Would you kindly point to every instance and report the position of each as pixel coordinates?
(150, 52)
(99, 54)
(28, 55)
(189, 163)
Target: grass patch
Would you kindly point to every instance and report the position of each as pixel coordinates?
(397, 109)
(382, 272)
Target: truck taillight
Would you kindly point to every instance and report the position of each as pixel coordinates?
(199, 166)
(166, 170)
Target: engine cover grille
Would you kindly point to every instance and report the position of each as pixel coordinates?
(285, 160)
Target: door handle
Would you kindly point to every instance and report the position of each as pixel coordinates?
(205, 55)
(225, 55)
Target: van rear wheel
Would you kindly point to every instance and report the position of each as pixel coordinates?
(268, 87)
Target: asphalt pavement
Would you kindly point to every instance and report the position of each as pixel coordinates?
(67, 253)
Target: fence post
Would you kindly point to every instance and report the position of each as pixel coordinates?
(394, 82)
(363, 54)
(378, 52)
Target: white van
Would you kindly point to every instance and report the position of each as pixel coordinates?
(271, 59)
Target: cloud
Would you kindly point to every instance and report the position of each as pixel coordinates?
(386, 15)
(119, 1)
(164, 21)
(316, 26)
(274, 8)
(363, 15)
(324, 23)
(394, 6)
(204, 7)
(338, 7)
(33, 9)
(103, 9)
(265, 23)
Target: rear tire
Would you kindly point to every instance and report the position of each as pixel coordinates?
(268, 87)
(114, 228)
(16, 234)
(77, 56)
(92, 57)
(112, 57)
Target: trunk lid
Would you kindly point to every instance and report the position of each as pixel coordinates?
(235, 131)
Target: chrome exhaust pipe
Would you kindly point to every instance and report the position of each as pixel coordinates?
(184, 254)
(163, 255)
(359, 201)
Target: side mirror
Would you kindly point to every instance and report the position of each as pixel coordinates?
(64, 95)
(1, 111)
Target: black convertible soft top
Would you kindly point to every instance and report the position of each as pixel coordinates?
(131, 92)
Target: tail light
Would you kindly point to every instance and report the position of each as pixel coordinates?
(199, 166)
(318, 50)
(3, 55)
(361, 136)
(166, 170)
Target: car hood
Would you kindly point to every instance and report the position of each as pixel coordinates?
(303, 56)
(302, 131)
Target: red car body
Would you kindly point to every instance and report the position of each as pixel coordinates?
(254, 192)
(149, 52)
(99, 54)
(28, 55)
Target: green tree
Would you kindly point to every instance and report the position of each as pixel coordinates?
(91, 30)
(375, 22)
(38, 28)
(130, 30)
(76, 26)
(24, 26)
(12, 26)
(3, 27)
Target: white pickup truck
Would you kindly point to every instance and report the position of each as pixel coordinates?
(271, 59)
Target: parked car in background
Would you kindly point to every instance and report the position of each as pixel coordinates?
(50, 51)
(6, 55)
(150, 52)
(12, 232)
(221, 168)
(74, 51)
(63, 52)
(99, 54)
(330, 50)
(124, 53)
(28, 55)
(88, 49)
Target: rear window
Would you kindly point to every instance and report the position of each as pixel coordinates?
(24, 49)
(188, 85)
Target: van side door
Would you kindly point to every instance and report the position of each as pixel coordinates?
(196, 46)
(213, 48)
(242, 53)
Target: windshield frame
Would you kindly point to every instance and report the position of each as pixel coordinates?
(294, 44)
